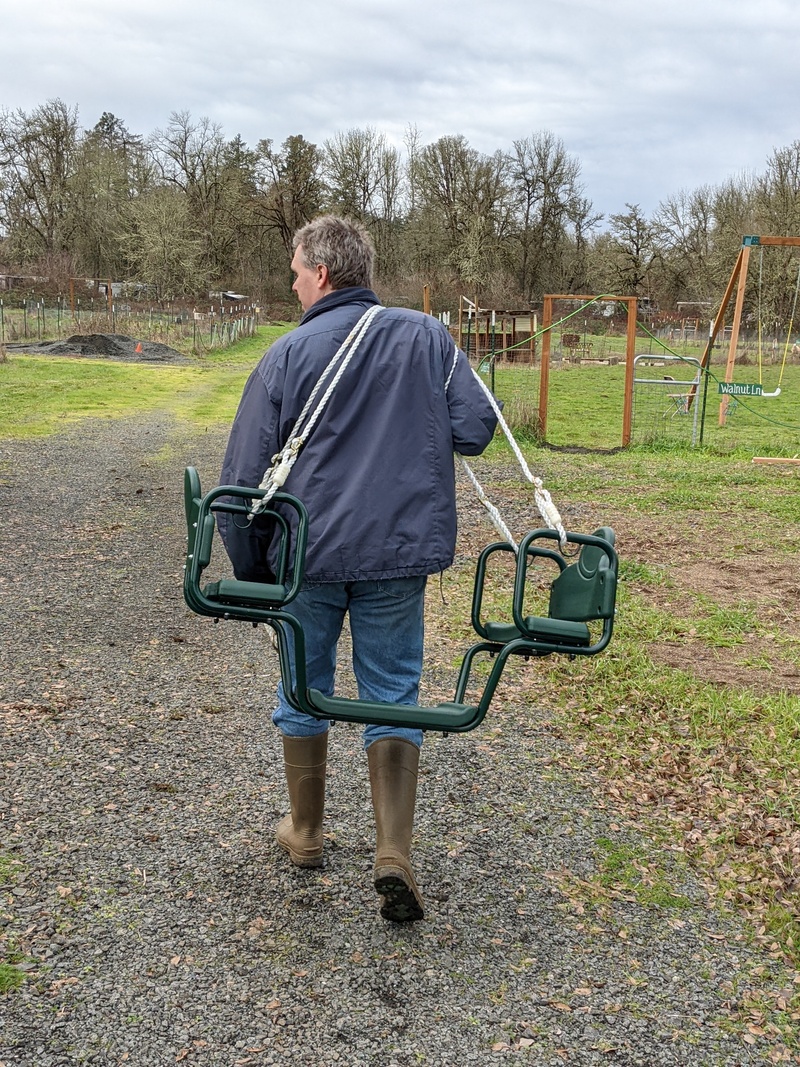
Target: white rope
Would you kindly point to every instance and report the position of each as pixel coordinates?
(452, 369)
(543, 500)
(494, 514)
(283, 461)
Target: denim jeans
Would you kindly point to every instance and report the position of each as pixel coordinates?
(387, 630)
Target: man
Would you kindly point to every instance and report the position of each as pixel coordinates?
(377, 478)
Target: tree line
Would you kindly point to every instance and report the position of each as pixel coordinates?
(186, 210)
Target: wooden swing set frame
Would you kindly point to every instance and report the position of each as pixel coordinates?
(737, 279)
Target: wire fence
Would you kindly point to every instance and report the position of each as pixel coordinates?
(40, 321)
(672, 403)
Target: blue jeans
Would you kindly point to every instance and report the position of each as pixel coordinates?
(387, 630)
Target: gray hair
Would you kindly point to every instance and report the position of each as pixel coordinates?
(342, 245)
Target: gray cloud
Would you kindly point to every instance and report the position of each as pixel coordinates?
(652, 98)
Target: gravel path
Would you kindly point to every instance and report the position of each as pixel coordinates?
(142, 893)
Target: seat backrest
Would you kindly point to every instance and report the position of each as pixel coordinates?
(587, 588)
(192, 494)
(593, 557)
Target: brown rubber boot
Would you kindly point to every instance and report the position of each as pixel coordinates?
(300, 832)
(393, 766)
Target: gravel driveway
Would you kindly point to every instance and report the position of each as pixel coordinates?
(154, 917)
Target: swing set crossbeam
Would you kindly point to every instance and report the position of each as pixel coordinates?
(583, 591)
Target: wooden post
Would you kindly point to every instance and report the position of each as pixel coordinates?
(630, 354)
(544, 374)
(477, 333)
(426, 299)
(737, 321)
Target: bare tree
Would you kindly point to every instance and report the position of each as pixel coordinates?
(777, 206)
(777, 192)
(684, 227)
(632, 249)
(553, 217)
(215, 176)
(291, 187)
(468, 196)
(352, 164)
(37, 158)
(165, 249)
(111, 170)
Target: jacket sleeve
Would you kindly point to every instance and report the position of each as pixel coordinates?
(251, 445)
(472, 417)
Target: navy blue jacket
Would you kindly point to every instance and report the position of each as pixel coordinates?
(376, 474)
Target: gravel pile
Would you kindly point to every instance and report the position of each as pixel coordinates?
(152, 914)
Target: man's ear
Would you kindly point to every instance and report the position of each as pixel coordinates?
(323, 280)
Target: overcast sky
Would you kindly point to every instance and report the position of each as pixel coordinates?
(652, 96)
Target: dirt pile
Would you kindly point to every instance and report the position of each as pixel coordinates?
(103, 346)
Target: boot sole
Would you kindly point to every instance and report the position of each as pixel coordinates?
(402, 903)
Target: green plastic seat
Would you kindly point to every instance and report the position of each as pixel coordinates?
(447, 716)
(230, 591)
(582, 592)
(230, 597)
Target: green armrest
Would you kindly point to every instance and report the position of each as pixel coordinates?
(501, 632)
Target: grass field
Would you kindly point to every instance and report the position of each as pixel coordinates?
(39, 393)
(585, 407)
(691, 720)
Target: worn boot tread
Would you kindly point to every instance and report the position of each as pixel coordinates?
(401, 899)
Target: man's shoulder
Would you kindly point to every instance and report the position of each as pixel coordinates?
(414, 320)
(410, 315)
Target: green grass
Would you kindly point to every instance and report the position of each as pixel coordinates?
(629, 868)
(717, 759)
(39, 394)
(11, 977)
(585, 410)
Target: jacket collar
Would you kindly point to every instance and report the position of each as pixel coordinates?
(338, 298)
